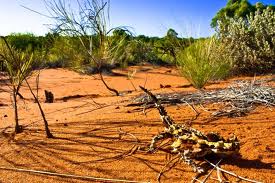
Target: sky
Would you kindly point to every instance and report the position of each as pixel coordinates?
(147, 17)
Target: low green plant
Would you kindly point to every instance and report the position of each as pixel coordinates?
(204, 60)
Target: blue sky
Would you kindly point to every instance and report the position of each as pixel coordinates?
(148, 17)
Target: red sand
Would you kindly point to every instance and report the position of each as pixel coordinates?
(95, 133)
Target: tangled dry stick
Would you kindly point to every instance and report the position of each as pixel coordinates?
(239, 98)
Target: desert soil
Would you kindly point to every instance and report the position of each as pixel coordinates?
(97, 135)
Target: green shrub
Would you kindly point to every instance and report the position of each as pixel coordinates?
(252, 40)
(139, 52)
(24, 41)
(66, 52)
(204, 60)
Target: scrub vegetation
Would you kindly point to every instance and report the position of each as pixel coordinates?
(92, 132)
(243, 43)
(81, 40)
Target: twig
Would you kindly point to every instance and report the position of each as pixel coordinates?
(127, 133)
(233, 174)
(219, 175)
(194, 109)
(69, 175)
(145, 82)
(37, 83)
(196, 179)
(204, 180)
(163, 169)
(212, 178)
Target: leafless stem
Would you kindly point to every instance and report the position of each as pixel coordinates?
(208, 175)
(232, 174)
(219, 175)
(165, 166)
(127, 133)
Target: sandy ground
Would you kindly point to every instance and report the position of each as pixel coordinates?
(97, 135)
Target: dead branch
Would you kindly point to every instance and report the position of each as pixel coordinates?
(107, 86)
(169, 168)
(219, 175)
(231, 173)
(208, 175)
(121, 133)
(240, 98)
(196, 178)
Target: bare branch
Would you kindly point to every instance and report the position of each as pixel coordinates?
(231, 173)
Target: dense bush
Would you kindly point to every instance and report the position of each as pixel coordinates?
(28, 42)
(25, 41)
(66, 52)
(121, 49)
(129, 50)
(252, 40)
(204, 60)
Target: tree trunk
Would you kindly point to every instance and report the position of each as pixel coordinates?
(47, 129)
(18, 128)
(48, 132)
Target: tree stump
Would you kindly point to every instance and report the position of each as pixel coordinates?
(49, 96)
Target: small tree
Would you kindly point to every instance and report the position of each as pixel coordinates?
(18, 66)
(89, 23)
(168, 45)
(233, 9)
(237, 9)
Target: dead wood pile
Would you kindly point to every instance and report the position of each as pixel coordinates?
(238, 99)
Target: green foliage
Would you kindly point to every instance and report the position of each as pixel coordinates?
(233, 8)
(204, 60)
(86, 52)
(237, 9)
(117, 44)
(129, 50)
(66, 52)
(38, 45)
(141, 52)
(89, 24)
(252, 40)
(171, 34)
(167, 47)
(25, 41)
(18, 63)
